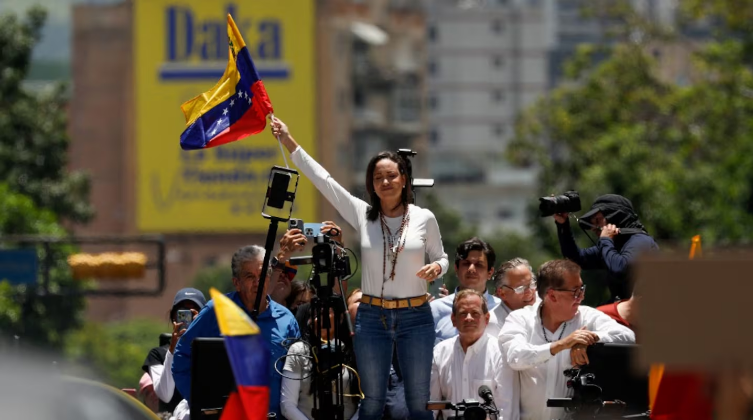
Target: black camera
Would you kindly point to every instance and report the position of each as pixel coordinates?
(472, 410)
(568, 202)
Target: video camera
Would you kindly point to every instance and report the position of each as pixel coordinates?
(327, 255)
(472, 409)
(568, 202)
(620, 392)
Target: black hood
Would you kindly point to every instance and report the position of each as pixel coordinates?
(618, 211)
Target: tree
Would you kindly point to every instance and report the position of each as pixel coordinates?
(37, 192)
(33, 139)
(682, 154)
(37, 318)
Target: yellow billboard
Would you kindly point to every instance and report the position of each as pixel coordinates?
(180, 51)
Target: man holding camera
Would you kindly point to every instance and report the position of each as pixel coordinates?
(622, 238)
(542, 341)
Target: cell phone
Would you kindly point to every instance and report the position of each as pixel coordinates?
(312, 230)
(433, 288)
(295, 224)
(185, 317)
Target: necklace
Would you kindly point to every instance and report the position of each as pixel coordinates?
(543, 330)
(393, 244)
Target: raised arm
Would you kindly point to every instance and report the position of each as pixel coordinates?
(587, 258)
(349, 207)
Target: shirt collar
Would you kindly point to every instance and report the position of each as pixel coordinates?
(474, 348)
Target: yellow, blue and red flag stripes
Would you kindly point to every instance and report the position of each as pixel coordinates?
(249, 359)
(236, 107)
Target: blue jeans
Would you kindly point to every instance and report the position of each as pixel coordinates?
(409, 332)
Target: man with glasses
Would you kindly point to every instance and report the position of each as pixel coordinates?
(276, 323)
(474, 266)
(542, 341)
(516, 287)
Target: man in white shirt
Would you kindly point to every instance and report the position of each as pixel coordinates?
(474, 266)
(542, 341)
(516, 287)
(464, 363)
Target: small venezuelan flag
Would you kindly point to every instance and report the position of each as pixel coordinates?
(236, 107)
(249, 359)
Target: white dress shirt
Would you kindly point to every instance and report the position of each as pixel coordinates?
(511, 405)
(421, 238)
(457, 375)
(526, 350)
(441, 309)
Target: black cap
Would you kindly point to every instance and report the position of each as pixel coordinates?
(189, 293)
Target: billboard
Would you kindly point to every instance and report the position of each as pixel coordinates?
(180, 51)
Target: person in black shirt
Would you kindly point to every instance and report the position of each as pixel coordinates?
(622, 238)
(158, 363)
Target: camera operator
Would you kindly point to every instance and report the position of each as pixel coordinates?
(542, 341)
(470, 359)
(622, 238)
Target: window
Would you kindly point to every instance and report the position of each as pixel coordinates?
(505, 214)
(407, 103)
(433, 68)
(498, 96)
(497, 62)
(498, 130)
(498, 27)
(432, 33)
(434, 136)
(433, 102)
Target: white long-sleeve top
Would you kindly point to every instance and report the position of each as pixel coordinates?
(457, 375)
(162, 377)
(422, 237)
(526, 350)
(296, 400)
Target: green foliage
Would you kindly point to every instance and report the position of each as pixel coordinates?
(33, 139)
(683, 155)
(24, 311)
(115, 351)
(218, 276)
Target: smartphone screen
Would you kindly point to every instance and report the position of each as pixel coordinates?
(185, 317)
(433, 287)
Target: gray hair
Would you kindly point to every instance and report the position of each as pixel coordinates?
(500, 277)
(244, 255)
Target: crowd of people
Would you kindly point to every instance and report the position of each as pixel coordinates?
(410, 347)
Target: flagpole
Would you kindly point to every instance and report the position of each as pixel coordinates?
(272, 116)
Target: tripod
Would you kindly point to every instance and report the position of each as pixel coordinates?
(327, 377)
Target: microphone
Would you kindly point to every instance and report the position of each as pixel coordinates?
(486, 394)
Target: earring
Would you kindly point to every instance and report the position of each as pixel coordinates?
(403, 186)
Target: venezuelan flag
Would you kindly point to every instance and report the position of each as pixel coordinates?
(249, 359)
(236, 107)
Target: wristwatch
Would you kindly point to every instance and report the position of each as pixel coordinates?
(274, 262)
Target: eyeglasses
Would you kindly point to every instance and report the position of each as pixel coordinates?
(522, 289)
(578, 292)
